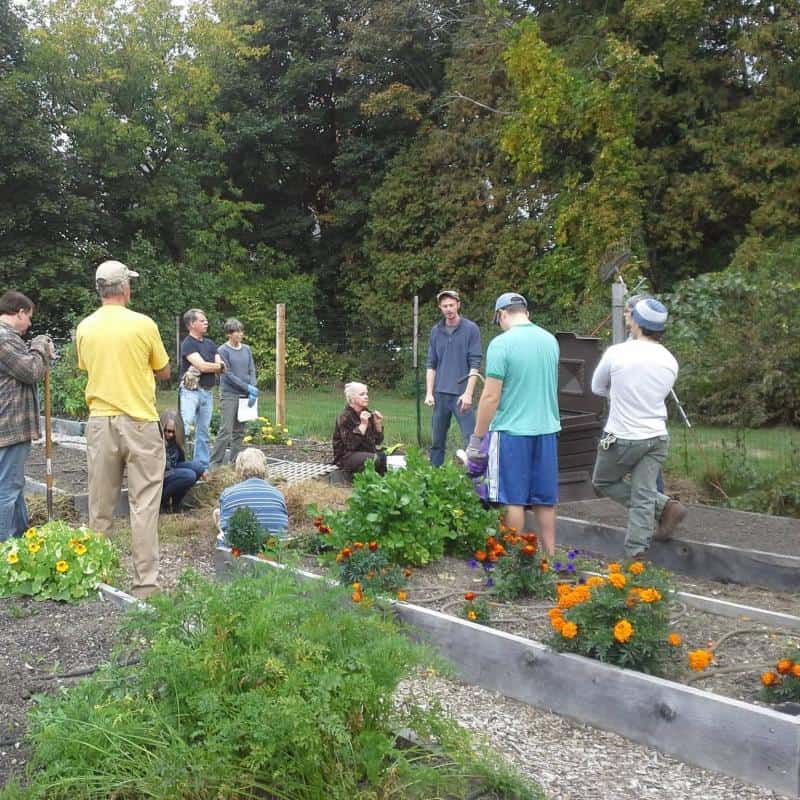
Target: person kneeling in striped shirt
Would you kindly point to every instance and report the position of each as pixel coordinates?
(254, 491)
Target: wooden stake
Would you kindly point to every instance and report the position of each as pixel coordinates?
(280, 364)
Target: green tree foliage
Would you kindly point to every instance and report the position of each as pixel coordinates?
(735, 334)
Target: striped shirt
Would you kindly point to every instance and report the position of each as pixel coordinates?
(262, 498)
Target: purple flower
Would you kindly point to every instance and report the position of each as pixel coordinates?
(581, 579)
(558, 566)
(490, 582)
(572, 554)
(488, 566)
(473, 563)
(570, 568)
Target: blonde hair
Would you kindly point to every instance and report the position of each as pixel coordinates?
(352, 389)
(251, 463)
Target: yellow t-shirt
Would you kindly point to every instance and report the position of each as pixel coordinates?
(120, 349)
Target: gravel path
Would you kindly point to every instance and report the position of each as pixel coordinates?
(573, 761)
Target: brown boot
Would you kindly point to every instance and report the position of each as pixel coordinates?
(671, 517)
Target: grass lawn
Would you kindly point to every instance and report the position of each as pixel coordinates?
(311, 413)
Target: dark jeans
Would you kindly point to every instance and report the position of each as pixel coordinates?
(354, 462)
(178, 480)
(446, 406)
(13, 511)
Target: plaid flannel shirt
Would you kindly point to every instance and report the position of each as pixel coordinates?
(21, 368)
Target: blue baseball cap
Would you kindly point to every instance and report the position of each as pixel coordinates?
(508, 299)
(650, 314)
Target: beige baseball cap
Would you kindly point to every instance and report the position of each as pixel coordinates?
(113, 272)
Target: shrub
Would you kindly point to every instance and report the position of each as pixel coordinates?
(261, 687)
(244, 533)
(783, 683)
(366, 564)
(515, 566)
(622, 618)
(262, 431)
(68, 385)
(476, 609)
(56, 562)
(415, 513)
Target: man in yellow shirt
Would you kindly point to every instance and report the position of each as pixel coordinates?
(123, 354)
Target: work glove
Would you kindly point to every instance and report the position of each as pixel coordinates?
(252, 395)
(477, 455)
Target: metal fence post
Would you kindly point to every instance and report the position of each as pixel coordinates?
(280, 364)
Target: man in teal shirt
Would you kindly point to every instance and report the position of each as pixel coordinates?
(519, 409)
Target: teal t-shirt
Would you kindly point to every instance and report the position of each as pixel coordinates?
(525, 358)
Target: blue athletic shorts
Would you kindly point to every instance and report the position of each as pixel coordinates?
(523, 470)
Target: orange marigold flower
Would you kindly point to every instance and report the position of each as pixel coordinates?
(318, 521)
(235, 551)
(345, 552)
(558, 623)
(569, 630)
(637, 568)
(469, 596)
(675, 639)
(769, 679)
(614, 567)
(623, 631)
(530, 538)
(529, 550)
(471, 615)
(62, 567)
(649, 595)
(491, 542)
(324, 529)
(407, 572)
(492, 556)
(784, 666)
(480, 555)
(595, 580)
(403, 596)
(699, 659)
(356, 587)
(358, 545)
(554, 612)
(373, 545)
(499, 550)
(563, 589)
(617, 580)
(357, 597)
(544, 566)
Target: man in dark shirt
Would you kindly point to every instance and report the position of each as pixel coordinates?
(198, 355)
(454, 353)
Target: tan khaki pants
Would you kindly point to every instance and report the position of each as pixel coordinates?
(114, 443)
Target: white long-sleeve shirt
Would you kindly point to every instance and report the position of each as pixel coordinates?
(636, 376)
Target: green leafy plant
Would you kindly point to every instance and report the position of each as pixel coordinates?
(260, 687)
(262, 431)
(244, 533)
(783, 683)
(68, 384)
(415, 513)
(56, 562)
(621, 618)
(366, 564)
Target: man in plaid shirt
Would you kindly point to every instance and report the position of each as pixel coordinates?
(21, 368)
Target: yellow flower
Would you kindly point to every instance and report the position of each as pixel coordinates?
(247, 439)
(79, 549)
(617, 580)
(30, 533)
(623, 631)
(569, 630)
(637, 568)
(471, 615)
(12, 557)
(62, 567)
(699, 659)
(289, 442)
(34, 547)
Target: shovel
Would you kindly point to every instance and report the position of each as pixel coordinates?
(48, 445)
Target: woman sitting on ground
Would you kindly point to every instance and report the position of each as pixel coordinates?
(255, 492)
(358, 432)
(179, 474)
